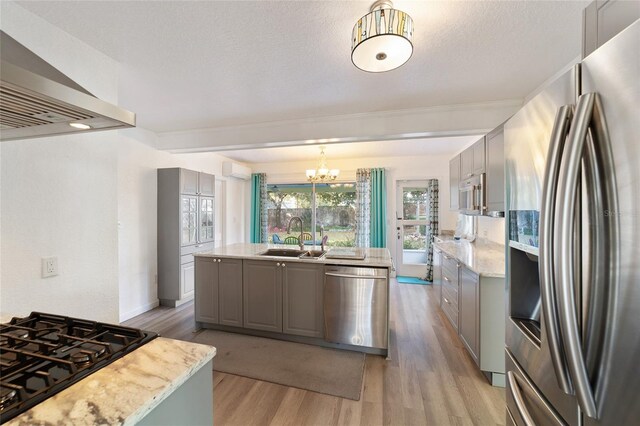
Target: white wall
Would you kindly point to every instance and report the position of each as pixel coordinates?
(397, 168)
(138, 160)
(88, 199)
(59, 194)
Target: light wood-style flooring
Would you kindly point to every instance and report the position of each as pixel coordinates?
(429, 380)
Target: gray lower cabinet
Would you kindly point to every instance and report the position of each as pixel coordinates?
(262, 295)
(449, 289)
(230, 284)
(469, 321)
(437, 270)
(218, 291)
(302, 286)
(474, 305)
(206, 300)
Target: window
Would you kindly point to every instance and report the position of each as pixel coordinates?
(335, 212)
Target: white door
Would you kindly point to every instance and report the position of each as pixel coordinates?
(412, 212)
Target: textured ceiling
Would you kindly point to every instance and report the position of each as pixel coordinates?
(193, 65)
(398, 148)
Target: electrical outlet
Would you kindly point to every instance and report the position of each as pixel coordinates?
(49, 266)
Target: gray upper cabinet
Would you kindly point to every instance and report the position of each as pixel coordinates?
(262, 295)
(188, 182)
(466, 163)
(205, 219)
(603, 19)
(206, 301)
(472, 160)
(206, 184)
(185, 226)
(230, 292)
(469, 310)
(197, 183)
(454, 181)
(302, 299)
(495, 171)
(478, 157)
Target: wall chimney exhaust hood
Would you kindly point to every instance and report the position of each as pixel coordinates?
(38, 100)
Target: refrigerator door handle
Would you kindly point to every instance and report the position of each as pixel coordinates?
(517, 397)
(565, 266)
(546, 257)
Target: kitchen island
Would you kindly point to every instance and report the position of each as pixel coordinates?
(163, 382)
(303, 299)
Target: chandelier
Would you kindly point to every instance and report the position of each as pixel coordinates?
(381, 39)
(322, 173)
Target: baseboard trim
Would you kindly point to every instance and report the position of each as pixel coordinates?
(139, 310)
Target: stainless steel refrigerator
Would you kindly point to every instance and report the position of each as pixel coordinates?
(573, 276)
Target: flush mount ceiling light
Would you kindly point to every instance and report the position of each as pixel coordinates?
(322, 173)
(381, 39)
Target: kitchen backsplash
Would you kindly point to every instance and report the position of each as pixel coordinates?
(491, 228)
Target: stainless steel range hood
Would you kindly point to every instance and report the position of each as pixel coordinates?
(38, 100)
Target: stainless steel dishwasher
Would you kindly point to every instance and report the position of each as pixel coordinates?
(355, 306)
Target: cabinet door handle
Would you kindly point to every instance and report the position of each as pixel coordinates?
(446, 301)
(219, 260)
(283, 265)
(446, 279)
(278, 264)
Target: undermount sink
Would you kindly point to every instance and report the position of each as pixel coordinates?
(302, 254)
(315, 254)
(284, 252)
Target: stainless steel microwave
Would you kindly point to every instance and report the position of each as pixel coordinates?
(472, 195)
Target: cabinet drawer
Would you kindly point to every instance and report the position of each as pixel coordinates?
(449, 281)
(197, 248)
(450, 313)
(450, 267)
(451, 296)
(186, 259)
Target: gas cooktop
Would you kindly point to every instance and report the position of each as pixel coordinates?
(42, 354)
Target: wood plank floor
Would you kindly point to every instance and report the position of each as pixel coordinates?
(429, 380)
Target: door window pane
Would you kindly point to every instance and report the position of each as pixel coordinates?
(414, 244)
(415, 203)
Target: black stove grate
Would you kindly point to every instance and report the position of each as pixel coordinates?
(42, 354)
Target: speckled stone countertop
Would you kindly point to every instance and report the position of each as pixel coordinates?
(483, 257)
(374, 257)
(125, 391)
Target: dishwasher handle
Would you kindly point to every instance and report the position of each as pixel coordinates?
(361, 277)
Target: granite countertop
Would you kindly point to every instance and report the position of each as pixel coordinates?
(483, 257)
(374, 257)
(126, 390)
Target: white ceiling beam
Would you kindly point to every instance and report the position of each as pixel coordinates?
(440, 121)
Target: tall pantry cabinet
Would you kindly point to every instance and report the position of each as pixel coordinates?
(185, 226)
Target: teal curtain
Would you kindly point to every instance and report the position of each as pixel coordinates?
(258, 208)
(378, 208)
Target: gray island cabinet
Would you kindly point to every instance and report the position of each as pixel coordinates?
(239, 290)
(284, 297)
(219, 289)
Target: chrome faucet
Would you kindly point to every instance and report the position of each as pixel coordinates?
(301, 239)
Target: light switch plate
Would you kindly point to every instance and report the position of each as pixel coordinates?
(49, 266)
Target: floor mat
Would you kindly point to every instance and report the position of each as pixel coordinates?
(411, 280)
(330, 371)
